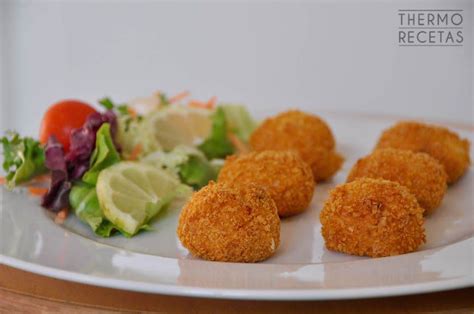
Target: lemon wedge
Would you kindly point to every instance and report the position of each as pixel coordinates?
(131, 193)
(177, 125)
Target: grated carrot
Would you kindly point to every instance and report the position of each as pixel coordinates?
(41, 178)
(238, 144)
(179, 96)
(35, 191)
(135, 152)
(196, 103)
(210, 104)
(61, 216)
(3, 180)
(132, 112)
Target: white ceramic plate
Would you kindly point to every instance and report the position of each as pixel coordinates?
(302, 268)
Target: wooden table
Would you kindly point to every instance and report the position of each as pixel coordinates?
(26, 292)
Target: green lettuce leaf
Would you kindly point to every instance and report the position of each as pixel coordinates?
(23, 158)
(239, 121)
(217, 145)
(83, 195)
(103, 156)
(108, 104)
(84, 201)
(197, 172)
(106, 229)
(187, 163)
(144, 227)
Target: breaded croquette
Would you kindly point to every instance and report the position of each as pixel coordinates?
(230, 224)
(439, 142)
(372, 217)
(283, 174)
(305, 133)
(423, 175)
(324, 163)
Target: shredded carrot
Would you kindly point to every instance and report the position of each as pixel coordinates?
(210, 104)
(196, 103)
(238, 144)
(179, 96)
(135, 152)
(41, 178)
(61, 216)
(3, 180)
(35, 191)
(132, 112)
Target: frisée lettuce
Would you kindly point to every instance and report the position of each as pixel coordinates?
(23, 158)
(187, 163)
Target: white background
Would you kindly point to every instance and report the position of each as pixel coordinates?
(318, 56)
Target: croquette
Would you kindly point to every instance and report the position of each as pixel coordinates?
(230, 224)
(423, 175)
(305, 133)
(372, 217)
(324, 163)
(283, 174)
(439, 142)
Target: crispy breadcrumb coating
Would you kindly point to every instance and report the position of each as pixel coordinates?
(372, 217)
(283, 174)
(423, 175)
(324, 163)
(439, 142)
(230, 224)
(305, 133)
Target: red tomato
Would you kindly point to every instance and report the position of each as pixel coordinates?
(63, 117)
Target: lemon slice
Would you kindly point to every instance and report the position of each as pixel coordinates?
(177, 125)
(131, 193)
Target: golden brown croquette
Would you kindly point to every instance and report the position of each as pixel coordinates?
(439, 142)
(324, 163)
(283, 174)
(423, 175)
(372, 217)
(305, 133)
(230, 224)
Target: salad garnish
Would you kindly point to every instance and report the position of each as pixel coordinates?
(72, 166)
(158, 147)
(217, 145)
(186, 163)
(83, 196)
(23, 158)
(56, 198)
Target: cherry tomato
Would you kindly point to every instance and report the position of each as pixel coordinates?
(63, 117)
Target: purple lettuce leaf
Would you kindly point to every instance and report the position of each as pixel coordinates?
(72, 166)
(57, 196)
(83, 142)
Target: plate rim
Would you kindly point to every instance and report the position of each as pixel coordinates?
(243, 294)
